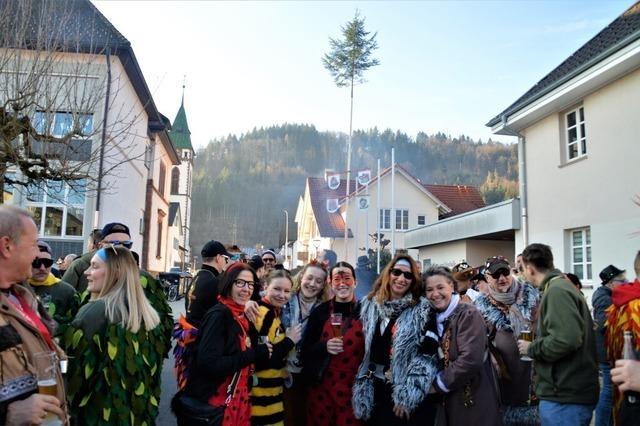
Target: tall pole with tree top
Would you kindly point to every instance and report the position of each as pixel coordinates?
(347, 61)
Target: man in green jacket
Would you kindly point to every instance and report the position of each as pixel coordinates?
(563, 350)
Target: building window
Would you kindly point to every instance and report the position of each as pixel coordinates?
(60, 124)
(148, 155)
(159, 242)
(422, 219)
(581, 253)
(385, 219)
(175, 181)
(402, 219)
(57, 208)
(161, 178)
(576, 135)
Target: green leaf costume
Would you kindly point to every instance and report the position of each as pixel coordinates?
(114, 374)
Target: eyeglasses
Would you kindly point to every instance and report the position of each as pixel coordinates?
(37, 263)
(268, 260)
(226, 258)
(397, 272)
(242, 284)
(500, 272)
(127, 244)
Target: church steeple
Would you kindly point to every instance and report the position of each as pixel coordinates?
(180, 134)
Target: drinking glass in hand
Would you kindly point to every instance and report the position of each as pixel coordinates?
(527, 336)
(336, 324)
(47, 365)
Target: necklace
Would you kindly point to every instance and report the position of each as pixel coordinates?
(305, 308)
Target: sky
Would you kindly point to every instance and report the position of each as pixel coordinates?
(447, 66)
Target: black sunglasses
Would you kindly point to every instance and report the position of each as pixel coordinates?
(127, 244)
(37, 263)
(397, 272)
(500, 272)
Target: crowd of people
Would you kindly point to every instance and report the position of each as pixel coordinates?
(499, 344)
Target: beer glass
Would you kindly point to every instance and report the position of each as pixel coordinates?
(47, 365)
(336, 324)
(527, 336)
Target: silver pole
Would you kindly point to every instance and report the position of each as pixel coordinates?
(378, 221)
(393, 202)
(286, 237)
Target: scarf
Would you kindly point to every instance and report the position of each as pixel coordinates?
(238, 314)
(390, 310)
(516, 319)
(49, 281)
(625, 293)
(441, 317)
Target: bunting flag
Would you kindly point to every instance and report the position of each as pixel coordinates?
(333, 181)
(364, 177)
(364, 202)
(332, 205)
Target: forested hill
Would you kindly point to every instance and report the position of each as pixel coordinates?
(242, 184)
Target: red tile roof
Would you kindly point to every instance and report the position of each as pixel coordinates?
(330, 225)
(459, 198)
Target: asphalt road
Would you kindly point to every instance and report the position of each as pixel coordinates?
(169, 387)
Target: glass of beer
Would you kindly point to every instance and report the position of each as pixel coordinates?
(336, 324)
(527, 336)
(47, 365)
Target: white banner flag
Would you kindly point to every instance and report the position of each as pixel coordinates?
(332, 205)
(364, 202)
(364, 177)
(333, 181)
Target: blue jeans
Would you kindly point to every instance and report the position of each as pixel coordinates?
(605, 403)
(558, 414)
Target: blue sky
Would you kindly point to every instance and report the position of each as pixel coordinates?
(445, 66)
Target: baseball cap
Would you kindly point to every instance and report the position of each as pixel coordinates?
(44, 247)
(496, 263)
(214, 248)
(113, 228)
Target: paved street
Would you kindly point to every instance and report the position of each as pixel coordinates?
(166, 418)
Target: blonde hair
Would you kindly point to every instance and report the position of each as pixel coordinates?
(122, 292)
(325, 293)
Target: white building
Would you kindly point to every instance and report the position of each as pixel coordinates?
(416, 205)
(182, 180)
(578, 135)
(124, 121)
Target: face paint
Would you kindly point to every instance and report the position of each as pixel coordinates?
(343, 278)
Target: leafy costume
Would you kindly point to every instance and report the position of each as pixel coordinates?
(58, 298)
(114, 374)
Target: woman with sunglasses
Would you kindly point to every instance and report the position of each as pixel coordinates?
(113, 343)
(224, 357)
(458, 334)
(310, 289)
(394, 378)
(332, 348)
(267, 393)
(509, 310)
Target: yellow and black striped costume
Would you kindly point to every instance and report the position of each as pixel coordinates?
(266, 395)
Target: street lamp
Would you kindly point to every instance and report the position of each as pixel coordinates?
(316, 243)
(286, 236)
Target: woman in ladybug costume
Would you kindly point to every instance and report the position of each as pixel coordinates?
(332, 349)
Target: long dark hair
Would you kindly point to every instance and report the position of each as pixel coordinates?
(342, 264)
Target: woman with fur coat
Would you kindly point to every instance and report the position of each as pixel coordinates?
(466, 379)
(394, 379)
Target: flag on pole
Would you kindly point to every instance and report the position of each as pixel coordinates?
(333, 181)
(332, 205)
(363, 202)
(364, 177)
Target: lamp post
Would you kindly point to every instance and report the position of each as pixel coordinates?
(316, 243)
(286, 236)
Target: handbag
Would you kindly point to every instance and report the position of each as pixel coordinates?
(193, 412)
